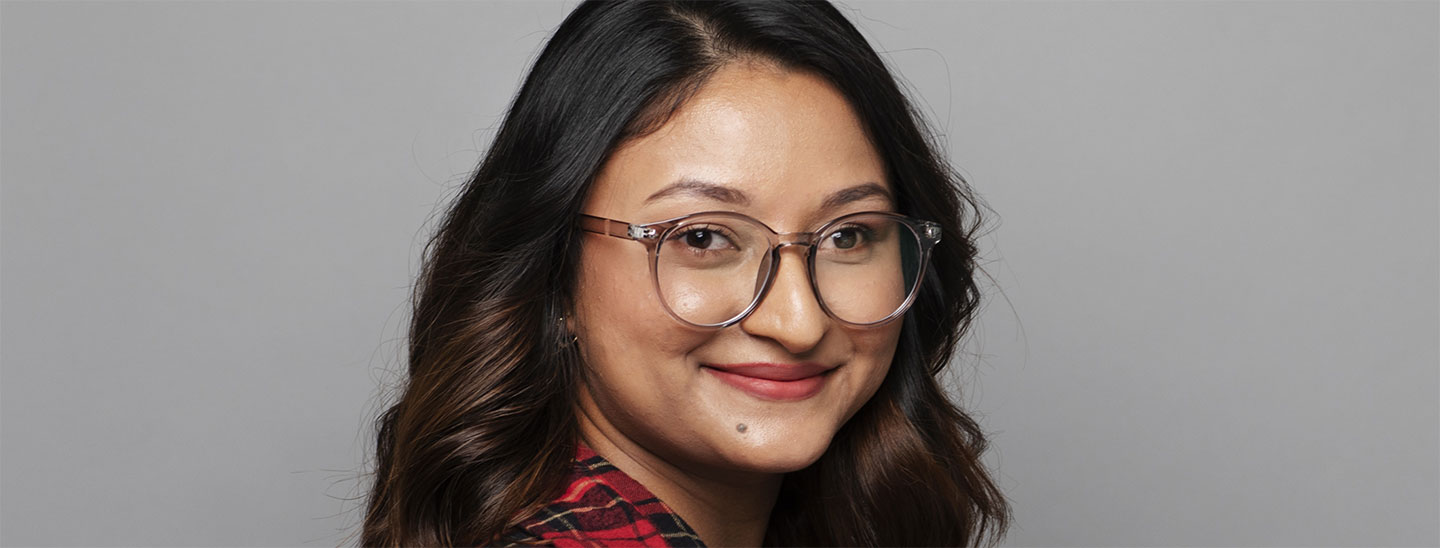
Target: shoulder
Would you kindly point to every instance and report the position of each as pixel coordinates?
(601, 506)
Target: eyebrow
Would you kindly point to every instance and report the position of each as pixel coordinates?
(855, 194)
(701, 189)
(722, 193)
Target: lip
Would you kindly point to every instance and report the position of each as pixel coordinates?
(773, 381)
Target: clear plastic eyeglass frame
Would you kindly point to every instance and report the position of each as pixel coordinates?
(652, 234)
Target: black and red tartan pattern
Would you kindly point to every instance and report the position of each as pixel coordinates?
(602, 507)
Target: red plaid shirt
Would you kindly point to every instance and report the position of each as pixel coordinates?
(602, 507)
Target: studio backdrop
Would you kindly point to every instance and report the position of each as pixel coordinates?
(1213, 304)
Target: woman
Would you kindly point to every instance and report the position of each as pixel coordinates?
(700, 290)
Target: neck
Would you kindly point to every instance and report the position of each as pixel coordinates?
(726, 508)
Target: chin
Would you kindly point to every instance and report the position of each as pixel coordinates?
(780, 454)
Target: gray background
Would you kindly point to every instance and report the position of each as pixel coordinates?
(1213, 321)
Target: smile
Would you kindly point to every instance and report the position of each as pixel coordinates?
(772, 381)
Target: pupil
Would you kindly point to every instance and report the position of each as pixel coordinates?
(698, 238)
(844, 239)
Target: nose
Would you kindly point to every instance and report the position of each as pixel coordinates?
(788, 313)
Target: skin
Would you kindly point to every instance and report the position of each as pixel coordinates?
(786, 141)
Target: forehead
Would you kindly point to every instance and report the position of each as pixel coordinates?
(782, 140)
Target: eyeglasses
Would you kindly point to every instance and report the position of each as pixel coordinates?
(712, 269)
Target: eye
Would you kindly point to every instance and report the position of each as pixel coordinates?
(704, 238)
(848, 237)
(699, 237)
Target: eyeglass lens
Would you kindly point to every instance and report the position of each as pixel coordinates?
(710, 270)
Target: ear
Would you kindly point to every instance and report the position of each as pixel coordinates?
(563, 316)
(565, 310)
(569, 323)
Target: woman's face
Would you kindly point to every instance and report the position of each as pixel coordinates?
(785, 148)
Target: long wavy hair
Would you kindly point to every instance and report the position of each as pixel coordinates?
(484, 429)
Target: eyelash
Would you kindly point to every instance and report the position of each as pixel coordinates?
(683, 234)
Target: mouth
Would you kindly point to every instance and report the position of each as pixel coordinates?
(773, 381)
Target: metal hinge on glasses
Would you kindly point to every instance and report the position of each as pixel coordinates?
(641, 233)
(932, 231)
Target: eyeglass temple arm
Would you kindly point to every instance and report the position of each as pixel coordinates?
(615, 229)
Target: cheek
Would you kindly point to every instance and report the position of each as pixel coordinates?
(613, 290)
(875, 347)
(619, 319)
(636, 357)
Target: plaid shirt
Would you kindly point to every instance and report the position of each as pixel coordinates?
(602, 507)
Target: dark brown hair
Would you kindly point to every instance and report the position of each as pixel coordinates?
(484, 429)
